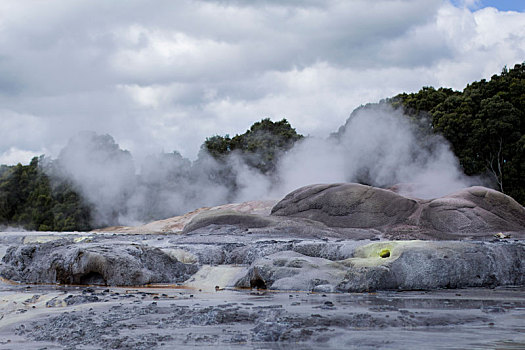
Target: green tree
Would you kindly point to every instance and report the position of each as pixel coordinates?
(485, 124)
(29, 199)
(260, 146)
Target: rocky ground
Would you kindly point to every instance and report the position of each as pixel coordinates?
(329, 266)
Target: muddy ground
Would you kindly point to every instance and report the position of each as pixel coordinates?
(170, 317)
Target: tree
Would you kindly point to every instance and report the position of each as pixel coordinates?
(484, 123)
(29, 199)
(260, 146)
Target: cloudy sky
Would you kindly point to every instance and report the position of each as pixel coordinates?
(163, 75)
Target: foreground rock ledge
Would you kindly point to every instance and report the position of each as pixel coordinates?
(313, 265)
(394, 265)
(91, 263)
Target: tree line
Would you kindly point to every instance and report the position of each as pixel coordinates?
(32, 200)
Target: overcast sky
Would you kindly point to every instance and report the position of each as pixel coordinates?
(163, 75)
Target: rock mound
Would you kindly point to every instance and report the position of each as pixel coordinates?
(471, 212)
(354, 211)
(227, 217)
(86, 263)
(177, 223)
(347, 205)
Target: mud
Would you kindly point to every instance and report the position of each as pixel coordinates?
(167, 318)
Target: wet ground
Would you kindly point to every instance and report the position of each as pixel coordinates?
(197, 315)
(167, 317)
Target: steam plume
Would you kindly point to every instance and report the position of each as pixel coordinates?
(378, 146)
(381, 147)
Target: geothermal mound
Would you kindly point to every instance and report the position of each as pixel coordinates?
(471, 212)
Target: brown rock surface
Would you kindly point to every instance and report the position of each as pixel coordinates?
(347, 205)
(347, 209)
(471, 212)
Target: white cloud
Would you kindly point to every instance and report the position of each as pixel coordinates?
(14, 155)
(164, 75)
(21, 128)
(482, 43)
(150, 55)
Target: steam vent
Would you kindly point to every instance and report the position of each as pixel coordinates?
(327, 238)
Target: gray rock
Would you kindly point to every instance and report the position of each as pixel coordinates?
(473, 210)
(395, 265)
(245, 253)
(89, 263)
(80, 299)
(419, 265)
(292, 271)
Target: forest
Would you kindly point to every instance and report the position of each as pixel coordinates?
(484, 125)
(33, 200)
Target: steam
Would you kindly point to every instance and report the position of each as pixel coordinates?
(103, 172)
(377, 146)
(122, 193)
(381, 147)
